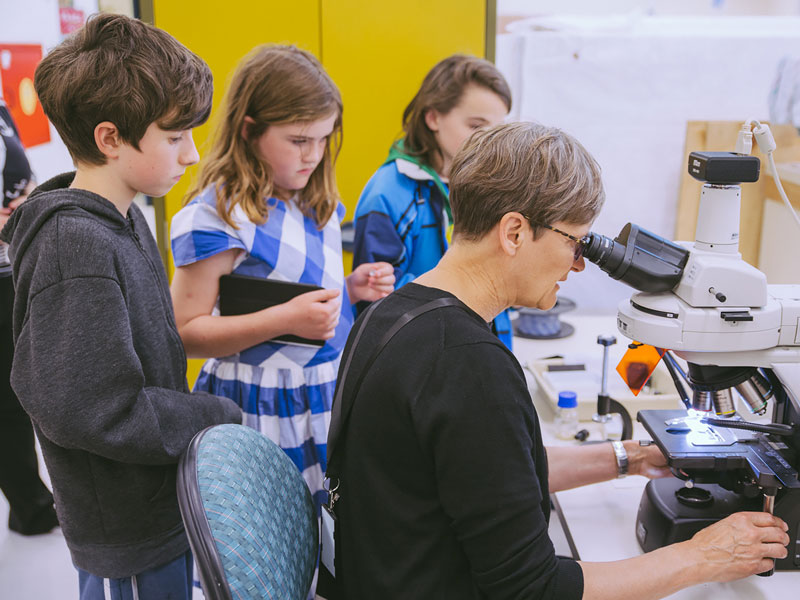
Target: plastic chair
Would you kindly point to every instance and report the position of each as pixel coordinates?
(251, 523)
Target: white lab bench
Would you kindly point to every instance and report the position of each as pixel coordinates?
(601, 517)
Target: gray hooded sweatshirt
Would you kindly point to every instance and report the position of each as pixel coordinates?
(100, 368)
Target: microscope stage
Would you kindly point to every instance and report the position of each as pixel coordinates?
(702, 450)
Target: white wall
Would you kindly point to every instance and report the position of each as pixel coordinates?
(625, 86)
(651, 7)
(37, 22)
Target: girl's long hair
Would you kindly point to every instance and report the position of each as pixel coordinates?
(273, 85)
(441, 90)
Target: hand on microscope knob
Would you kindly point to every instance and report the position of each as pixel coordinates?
(647, 461)
(739, 545)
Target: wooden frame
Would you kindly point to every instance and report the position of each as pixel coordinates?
(721, 136)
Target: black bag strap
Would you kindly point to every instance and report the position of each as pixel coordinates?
(340, 414)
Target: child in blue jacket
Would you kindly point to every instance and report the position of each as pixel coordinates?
(403, 215)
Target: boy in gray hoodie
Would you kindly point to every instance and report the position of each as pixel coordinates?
(99, 365)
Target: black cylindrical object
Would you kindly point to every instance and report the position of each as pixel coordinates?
(643, 260)
(712, 377)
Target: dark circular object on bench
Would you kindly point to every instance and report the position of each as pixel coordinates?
(694, 497)
(536, 324)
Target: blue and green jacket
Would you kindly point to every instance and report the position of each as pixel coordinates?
(402, 218)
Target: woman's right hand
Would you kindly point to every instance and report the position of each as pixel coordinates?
(314, 315)
(739, 545)
(5, 211)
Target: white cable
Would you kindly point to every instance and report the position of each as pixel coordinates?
(766, 142)
(744, 141)
(778, 185)
(767, 145)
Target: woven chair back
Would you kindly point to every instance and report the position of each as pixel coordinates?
(249, 516)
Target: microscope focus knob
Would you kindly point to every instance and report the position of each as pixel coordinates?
(718, 295)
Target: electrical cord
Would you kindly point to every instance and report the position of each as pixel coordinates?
(766, 142)
(627, 422)
(771, 428)
(778, 185)
(674, 369)
(678, 367)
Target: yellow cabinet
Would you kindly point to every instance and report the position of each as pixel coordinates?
(377, 53)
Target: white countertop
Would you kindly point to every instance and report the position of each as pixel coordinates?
(602, 517)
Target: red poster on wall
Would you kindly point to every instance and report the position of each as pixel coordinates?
(17, 65)
(71, 19)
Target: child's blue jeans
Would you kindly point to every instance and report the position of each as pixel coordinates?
(172, 581)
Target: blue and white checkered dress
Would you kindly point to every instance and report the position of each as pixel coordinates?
(285, 390)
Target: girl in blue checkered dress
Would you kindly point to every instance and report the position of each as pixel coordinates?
(266, 205)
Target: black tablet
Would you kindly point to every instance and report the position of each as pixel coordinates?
(242, 294)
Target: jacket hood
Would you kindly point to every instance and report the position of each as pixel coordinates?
(398, 153)
(51, 197)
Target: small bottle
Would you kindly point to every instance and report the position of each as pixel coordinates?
(567, 415)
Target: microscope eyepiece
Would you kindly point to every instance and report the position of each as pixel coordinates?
(641, 259)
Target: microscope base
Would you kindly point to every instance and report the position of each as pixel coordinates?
(663, 520)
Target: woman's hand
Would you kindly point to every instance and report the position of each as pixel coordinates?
(370, 282)
(740, 545)
(5, 211)
(574, 466)
(647, 461)
(4, 214)
(195, 288)
(313, 315)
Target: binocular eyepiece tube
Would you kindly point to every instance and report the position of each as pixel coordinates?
(643, 260)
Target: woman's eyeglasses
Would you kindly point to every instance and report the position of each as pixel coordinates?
(580, 243)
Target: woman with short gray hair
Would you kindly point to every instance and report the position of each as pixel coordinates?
(443, 479)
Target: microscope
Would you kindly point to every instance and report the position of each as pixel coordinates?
(738, 335)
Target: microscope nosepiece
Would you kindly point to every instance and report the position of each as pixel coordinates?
(701, 400)
(723, 403)
(720, 401)
(712, 386)
(755, 392)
